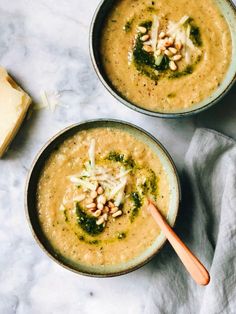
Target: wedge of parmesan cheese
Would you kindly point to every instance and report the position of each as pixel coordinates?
(14, 103)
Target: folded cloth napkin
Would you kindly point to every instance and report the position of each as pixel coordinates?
(207, 224)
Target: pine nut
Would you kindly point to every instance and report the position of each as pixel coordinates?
(110, 204)
(178, 45)
(142, 29)
(105, 216)
(97, 213)
(171, 40)
(100, 190)
(117, 214)
(162, 35)
(167, 43)
(173, 66)
(106, 209)
(145, 37)
(114, 210)
(100, 206)
(147, 48)
(91, 205)
(173, 50)
(100, 221)
(101, 199)
(93, 194)
(177, 57)
(168, 53)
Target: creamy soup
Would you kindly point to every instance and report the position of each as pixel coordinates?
(165, 55)
(92, 197)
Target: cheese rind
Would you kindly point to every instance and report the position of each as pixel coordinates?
(14, 103)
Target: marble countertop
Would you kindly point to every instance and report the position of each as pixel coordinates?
(44, 45)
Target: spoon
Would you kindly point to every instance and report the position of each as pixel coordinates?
(190, 261)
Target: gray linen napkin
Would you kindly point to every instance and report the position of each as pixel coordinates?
(207, 224)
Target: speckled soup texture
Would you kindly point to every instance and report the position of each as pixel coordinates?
(167, 94)
(63, 230)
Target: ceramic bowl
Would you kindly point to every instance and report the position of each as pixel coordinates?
(31, 187)
(226, 7)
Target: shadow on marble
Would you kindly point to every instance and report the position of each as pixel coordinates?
(20, 143)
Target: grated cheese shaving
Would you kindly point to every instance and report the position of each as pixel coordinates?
(92, 154)
(188, 31)
(49, 100)
(120, 186)
(79, 198)
(94, 175)
(120, 195)
(183, 19)
(123, 173)
(44, 99)
(84, 183)
(182, 34)
(154, 32)
(62, 207)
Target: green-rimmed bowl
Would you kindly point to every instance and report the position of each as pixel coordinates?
(227, 9)
(31, 201)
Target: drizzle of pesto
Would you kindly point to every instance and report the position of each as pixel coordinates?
(195, 34)
(87, 222)
(117, 157)
(121, 235)
(146, 24)
(150, 185)
(135, 197)
(114, 156)
(188, 70)
(153, 182)
(145, 61)
(128, 26)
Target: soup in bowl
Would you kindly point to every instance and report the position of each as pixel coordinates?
(87, 197)
(165, 58)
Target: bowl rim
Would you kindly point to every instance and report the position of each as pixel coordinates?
(27, 206)
(134, 106)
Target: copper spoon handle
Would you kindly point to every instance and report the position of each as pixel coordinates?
(190, 261)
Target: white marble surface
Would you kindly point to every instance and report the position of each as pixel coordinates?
(44, 45)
